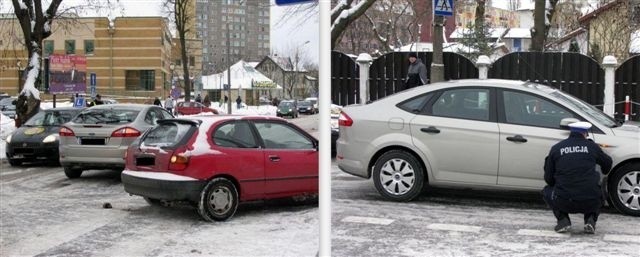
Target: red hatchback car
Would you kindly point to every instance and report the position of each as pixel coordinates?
(216, 162)
(190, 108)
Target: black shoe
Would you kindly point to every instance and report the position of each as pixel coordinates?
(590, 226)
(564, 225)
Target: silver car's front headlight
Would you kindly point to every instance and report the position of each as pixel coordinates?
(8, 139)
(50, 138)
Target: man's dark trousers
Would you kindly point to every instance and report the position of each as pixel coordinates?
(562, 207)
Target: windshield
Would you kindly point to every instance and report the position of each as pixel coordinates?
(50, 118)
(304, 103)
(286, 104)
(570, 100)
(106, 116)
(7, 103)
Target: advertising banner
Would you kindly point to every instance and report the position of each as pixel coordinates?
(67, 74)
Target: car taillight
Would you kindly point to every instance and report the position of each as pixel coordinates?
(126, 132)
(344, 120)
(178, 162)
(66, 132)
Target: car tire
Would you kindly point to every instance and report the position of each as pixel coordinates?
(398, 176)
(72, 173)
(14, 162)
(218, 200)
(624, 188)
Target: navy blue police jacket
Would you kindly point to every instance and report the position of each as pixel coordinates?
(570, 168)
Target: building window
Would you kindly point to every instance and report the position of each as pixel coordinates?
(70, 46)
(178, 62)
(192, 61)
(140, 80)
(48, 47)
(89, 47)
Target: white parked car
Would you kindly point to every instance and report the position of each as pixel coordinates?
(478, 134)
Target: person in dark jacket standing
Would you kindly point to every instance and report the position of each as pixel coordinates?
(157, 102)
(416, 73)
(573, 184)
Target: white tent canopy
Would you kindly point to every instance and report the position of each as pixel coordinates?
(243, 76)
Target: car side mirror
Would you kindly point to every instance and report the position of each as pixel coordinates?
(564, 123)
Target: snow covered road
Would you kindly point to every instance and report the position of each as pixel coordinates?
(45, 214)
(472, 223)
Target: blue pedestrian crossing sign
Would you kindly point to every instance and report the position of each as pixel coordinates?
(443, 7)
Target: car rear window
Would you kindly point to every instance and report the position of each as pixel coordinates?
(50, 118)
(106, 116)
(166, 134)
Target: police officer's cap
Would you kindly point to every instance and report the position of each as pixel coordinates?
(581, 127)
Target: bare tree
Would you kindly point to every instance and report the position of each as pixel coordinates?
(295, 75)
(343, 14)
(35, 20)
(611, 32)
(183, 18)
(390, 23)
(35, 24)
(543, 13)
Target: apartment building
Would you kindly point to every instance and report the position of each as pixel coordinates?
(232, 30)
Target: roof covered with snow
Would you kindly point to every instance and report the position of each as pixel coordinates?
(243, 75)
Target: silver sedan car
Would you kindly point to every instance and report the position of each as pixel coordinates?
(98, 137)
(478, 134)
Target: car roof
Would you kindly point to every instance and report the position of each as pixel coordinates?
(210, 119)
(122, 106)
(64, 109)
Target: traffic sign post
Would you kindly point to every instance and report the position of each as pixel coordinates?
(92, 88)
(443, 7)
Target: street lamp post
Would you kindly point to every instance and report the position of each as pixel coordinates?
(112, 31)
(228, 65)
(172, 66)
(19, 65)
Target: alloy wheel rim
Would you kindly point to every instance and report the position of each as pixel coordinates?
(220, 200)
(397, 176)
(629, 190)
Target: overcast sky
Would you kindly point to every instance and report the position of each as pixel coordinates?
(287, 35)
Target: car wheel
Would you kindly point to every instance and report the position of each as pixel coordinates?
(14, 162)
(218, 200)
(398, 176)
(624, 189)
(72, 173)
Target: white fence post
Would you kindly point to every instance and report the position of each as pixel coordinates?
(364, 62)
(483, 64)
(609, 63)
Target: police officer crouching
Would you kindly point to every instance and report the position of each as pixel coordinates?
(573, 184)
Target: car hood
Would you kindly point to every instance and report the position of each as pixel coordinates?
(33, 134)
(628, 129)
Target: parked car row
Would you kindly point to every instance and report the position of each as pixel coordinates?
(213, 161)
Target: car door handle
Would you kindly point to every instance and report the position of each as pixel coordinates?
(517, 138)
(274, 158)
(430, 129)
